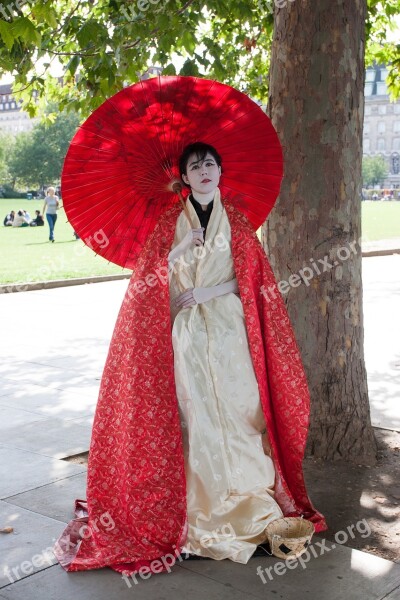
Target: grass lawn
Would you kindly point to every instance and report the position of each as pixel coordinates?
(380, 220)
(27, 255)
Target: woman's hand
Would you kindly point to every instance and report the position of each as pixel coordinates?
(193, 237)
(199, 295)
(194, 296)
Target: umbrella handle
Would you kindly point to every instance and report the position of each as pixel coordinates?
(177, 188)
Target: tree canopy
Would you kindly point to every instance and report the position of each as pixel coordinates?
(37, 156)
(374, 170)
(106, 44)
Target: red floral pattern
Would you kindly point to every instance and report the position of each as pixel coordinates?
(136, 476)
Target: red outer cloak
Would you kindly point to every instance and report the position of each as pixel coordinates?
(136, 488)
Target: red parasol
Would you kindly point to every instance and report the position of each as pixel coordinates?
(120, 167)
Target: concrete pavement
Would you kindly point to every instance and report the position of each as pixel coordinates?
(54, 346)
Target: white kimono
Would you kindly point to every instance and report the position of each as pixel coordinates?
(230, 481)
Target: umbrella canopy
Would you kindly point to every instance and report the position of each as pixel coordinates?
(120, 166)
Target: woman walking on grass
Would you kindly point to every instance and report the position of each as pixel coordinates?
(50, 207)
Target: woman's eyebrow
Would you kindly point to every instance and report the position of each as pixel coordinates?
(204, 160)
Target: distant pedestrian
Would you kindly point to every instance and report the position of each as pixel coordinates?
(50, 207)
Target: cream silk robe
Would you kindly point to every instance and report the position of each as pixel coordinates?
(230, 481)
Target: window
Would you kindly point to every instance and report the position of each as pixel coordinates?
(370, 75)
(396, 127)
(395, 164)
(7, 105)
(366, 145)
(397, 109)
(396, 144)
(366, 128)
(381, 88)
(381, 144)
(384, 73)
(368, 89)
(382, 109)
(368, 110)
(381, 127)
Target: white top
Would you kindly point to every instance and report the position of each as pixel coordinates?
(51, 202)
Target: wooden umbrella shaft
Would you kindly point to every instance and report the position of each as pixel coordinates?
(177, 187)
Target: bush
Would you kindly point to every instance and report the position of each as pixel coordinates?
(7, 191)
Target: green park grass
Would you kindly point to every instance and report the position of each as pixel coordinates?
(27, 255)
(380, 220)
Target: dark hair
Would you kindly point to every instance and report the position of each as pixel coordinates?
(200, 149)
(37, 212)
(20, 213)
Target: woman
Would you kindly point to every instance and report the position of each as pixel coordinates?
(230, 479)
(50, 207)
(202, 416)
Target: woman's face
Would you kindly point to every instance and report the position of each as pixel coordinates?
(202, 176)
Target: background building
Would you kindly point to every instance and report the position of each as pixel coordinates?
(381, 134)
(12, 119)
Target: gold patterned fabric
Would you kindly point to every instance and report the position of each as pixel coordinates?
(230, 481)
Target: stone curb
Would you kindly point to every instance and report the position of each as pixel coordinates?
(55, 283)
(381, 252)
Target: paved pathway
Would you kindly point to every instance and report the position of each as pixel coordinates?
(54, 347)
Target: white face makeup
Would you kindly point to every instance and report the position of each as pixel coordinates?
(202, 176)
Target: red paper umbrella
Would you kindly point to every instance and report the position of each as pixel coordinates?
(120, 166)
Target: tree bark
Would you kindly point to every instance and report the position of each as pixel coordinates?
(312, 235)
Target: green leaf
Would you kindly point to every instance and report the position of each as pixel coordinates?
(90, 33)
(73, 64)
(189, 41)
(6, 34)
(24, 29)
(190, 68)
(169, 70)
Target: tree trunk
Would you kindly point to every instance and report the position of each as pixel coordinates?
(312, 236)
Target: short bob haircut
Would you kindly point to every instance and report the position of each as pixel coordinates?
(200, 149)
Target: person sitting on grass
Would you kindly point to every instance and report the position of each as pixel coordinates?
(8, 219)
(38, 220)
(20, 220)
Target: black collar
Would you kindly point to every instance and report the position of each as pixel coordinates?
(198, 207)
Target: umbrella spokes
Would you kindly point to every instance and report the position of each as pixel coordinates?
(121, 171)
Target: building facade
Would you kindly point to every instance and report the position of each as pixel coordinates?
(381, 134)
(12, 119)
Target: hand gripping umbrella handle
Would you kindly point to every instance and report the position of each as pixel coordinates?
(177, 188)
